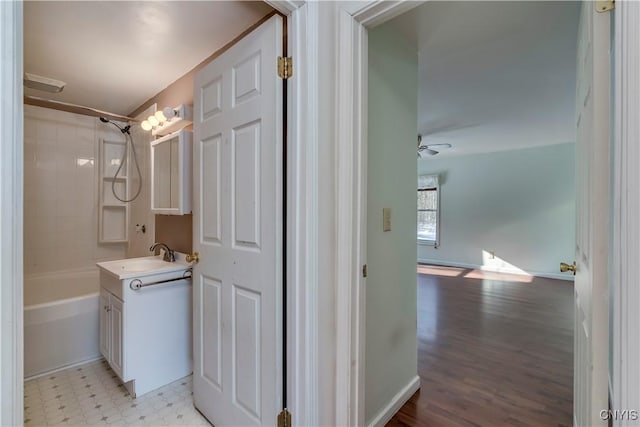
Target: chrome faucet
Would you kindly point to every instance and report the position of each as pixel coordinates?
(169, 255)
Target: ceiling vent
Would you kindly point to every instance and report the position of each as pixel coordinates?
(45, 84)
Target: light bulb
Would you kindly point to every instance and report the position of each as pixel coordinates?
(153, 120)
(169, 113)
(160, 116)
(146, 125)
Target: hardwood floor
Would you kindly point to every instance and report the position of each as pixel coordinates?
(492, 351)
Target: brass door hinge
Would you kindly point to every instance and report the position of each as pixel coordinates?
(605, 5)
(284, 418)
(364, 270)
(285, 67)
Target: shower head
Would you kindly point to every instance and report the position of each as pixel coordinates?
(122, 129)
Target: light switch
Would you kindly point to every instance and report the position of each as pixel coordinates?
(386, 219)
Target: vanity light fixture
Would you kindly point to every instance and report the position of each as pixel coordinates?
(176, 118)
(170, 113)
(160, 116)
(168, 120)
(166, 114)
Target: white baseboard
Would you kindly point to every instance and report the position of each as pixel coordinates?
(557, 276)
(62, 368)
(387, 412)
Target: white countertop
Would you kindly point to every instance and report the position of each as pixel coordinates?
(144, 266)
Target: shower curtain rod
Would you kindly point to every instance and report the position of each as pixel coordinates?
(87, 111)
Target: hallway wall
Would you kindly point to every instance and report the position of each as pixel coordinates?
(391, 353)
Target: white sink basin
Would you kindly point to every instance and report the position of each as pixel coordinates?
(139, 267)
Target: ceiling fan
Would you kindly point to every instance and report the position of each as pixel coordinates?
(430, 149)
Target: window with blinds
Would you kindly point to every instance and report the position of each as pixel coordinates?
(428, 209)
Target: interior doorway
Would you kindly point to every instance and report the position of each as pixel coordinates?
(501, 161)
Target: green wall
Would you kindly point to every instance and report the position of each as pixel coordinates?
(519, 204)
(391, 353)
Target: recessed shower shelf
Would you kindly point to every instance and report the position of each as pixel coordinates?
(114, 224)
(113, 215)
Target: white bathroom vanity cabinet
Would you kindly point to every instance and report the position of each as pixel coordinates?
(146, 328)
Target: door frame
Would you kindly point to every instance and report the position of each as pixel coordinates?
(328, 171)
(351, 144)
(314, 339)
(301, 212)
(355, 19)
(624, 381)
(11, 216)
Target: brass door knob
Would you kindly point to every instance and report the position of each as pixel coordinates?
(564, 267)
(194, 257)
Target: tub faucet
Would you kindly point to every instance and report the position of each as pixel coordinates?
(169, 255)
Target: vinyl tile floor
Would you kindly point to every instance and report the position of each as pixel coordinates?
(92, 395)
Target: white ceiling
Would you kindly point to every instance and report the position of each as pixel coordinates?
(115, 55)
(494, 75)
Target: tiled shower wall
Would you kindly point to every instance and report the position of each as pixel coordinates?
(61, 191)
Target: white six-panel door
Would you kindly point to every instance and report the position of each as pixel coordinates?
(237, 222)
(591, 341)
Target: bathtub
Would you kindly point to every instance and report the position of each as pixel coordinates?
(61, 320)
